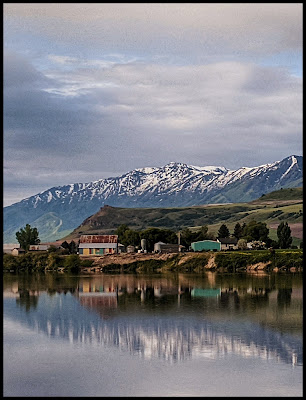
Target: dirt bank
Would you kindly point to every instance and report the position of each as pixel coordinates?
(196, 262)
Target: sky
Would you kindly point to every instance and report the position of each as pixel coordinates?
(94, 90)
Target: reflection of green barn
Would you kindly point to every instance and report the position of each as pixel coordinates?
(197, 292)
(206, 245)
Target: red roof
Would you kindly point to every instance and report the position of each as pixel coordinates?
(99, 239)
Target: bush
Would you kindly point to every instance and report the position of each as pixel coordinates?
(86, 263)
(73, 262)
(10, 262)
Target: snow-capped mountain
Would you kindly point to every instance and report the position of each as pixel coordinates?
(61, 209)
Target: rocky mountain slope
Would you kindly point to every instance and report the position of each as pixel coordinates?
(57, 211)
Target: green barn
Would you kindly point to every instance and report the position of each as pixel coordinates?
(206, 245)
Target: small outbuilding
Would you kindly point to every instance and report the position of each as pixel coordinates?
(17, 251)
(121, 248)
(161, 247)
(206, 245)
(130, 249)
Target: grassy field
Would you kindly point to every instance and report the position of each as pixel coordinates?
(272, 214)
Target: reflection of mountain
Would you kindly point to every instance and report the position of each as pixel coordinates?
(174, 336)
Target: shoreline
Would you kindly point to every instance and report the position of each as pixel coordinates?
(190, 262)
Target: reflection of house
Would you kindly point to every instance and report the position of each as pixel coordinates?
(98, 244)
(17, 251)
(38, 247)
(102, 298)
(229, 243)
(161, 247)
(206, 245)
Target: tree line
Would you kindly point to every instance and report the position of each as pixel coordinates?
(258, 231)
(252, 231)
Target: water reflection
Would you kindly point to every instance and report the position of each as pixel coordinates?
(173, 317)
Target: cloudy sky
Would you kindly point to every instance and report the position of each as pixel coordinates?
(95, 90)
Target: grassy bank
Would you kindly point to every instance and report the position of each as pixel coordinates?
(235, 261)
(30, 262)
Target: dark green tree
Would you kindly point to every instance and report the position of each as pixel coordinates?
(73, 262)
(223, 231)
(73, 247)
(284, 235)
(120, 231)
(243, 228)
(202, 234)
(154, 235)
(187, 237)
(130, 237)
(65, 245)
(257, 231)
(27, 236)
(238, 231)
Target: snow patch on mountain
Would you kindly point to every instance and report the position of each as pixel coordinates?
(294, 161)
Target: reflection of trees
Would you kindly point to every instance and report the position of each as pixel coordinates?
(27, 300)
(284, 297)
(237, 292)
(229, 299)
(50, 282)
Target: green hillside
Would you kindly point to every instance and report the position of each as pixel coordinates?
(282, 194)
(284, 205)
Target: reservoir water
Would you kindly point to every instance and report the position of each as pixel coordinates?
(208, 334)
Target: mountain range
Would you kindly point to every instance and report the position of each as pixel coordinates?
(58, 210)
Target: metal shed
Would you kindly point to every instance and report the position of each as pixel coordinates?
(206, 245)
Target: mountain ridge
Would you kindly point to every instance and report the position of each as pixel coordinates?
(175, 184)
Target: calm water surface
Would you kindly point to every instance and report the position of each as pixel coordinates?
(153, 335)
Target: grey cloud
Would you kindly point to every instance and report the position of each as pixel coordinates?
(19, 73)
(163, 29)
(138, 114)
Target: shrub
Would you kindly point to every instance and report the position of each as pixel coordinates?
(73, 262)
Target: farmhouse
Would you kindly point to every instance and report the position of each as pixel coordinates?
(98, 244)
(228, 243)
(39, 247)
